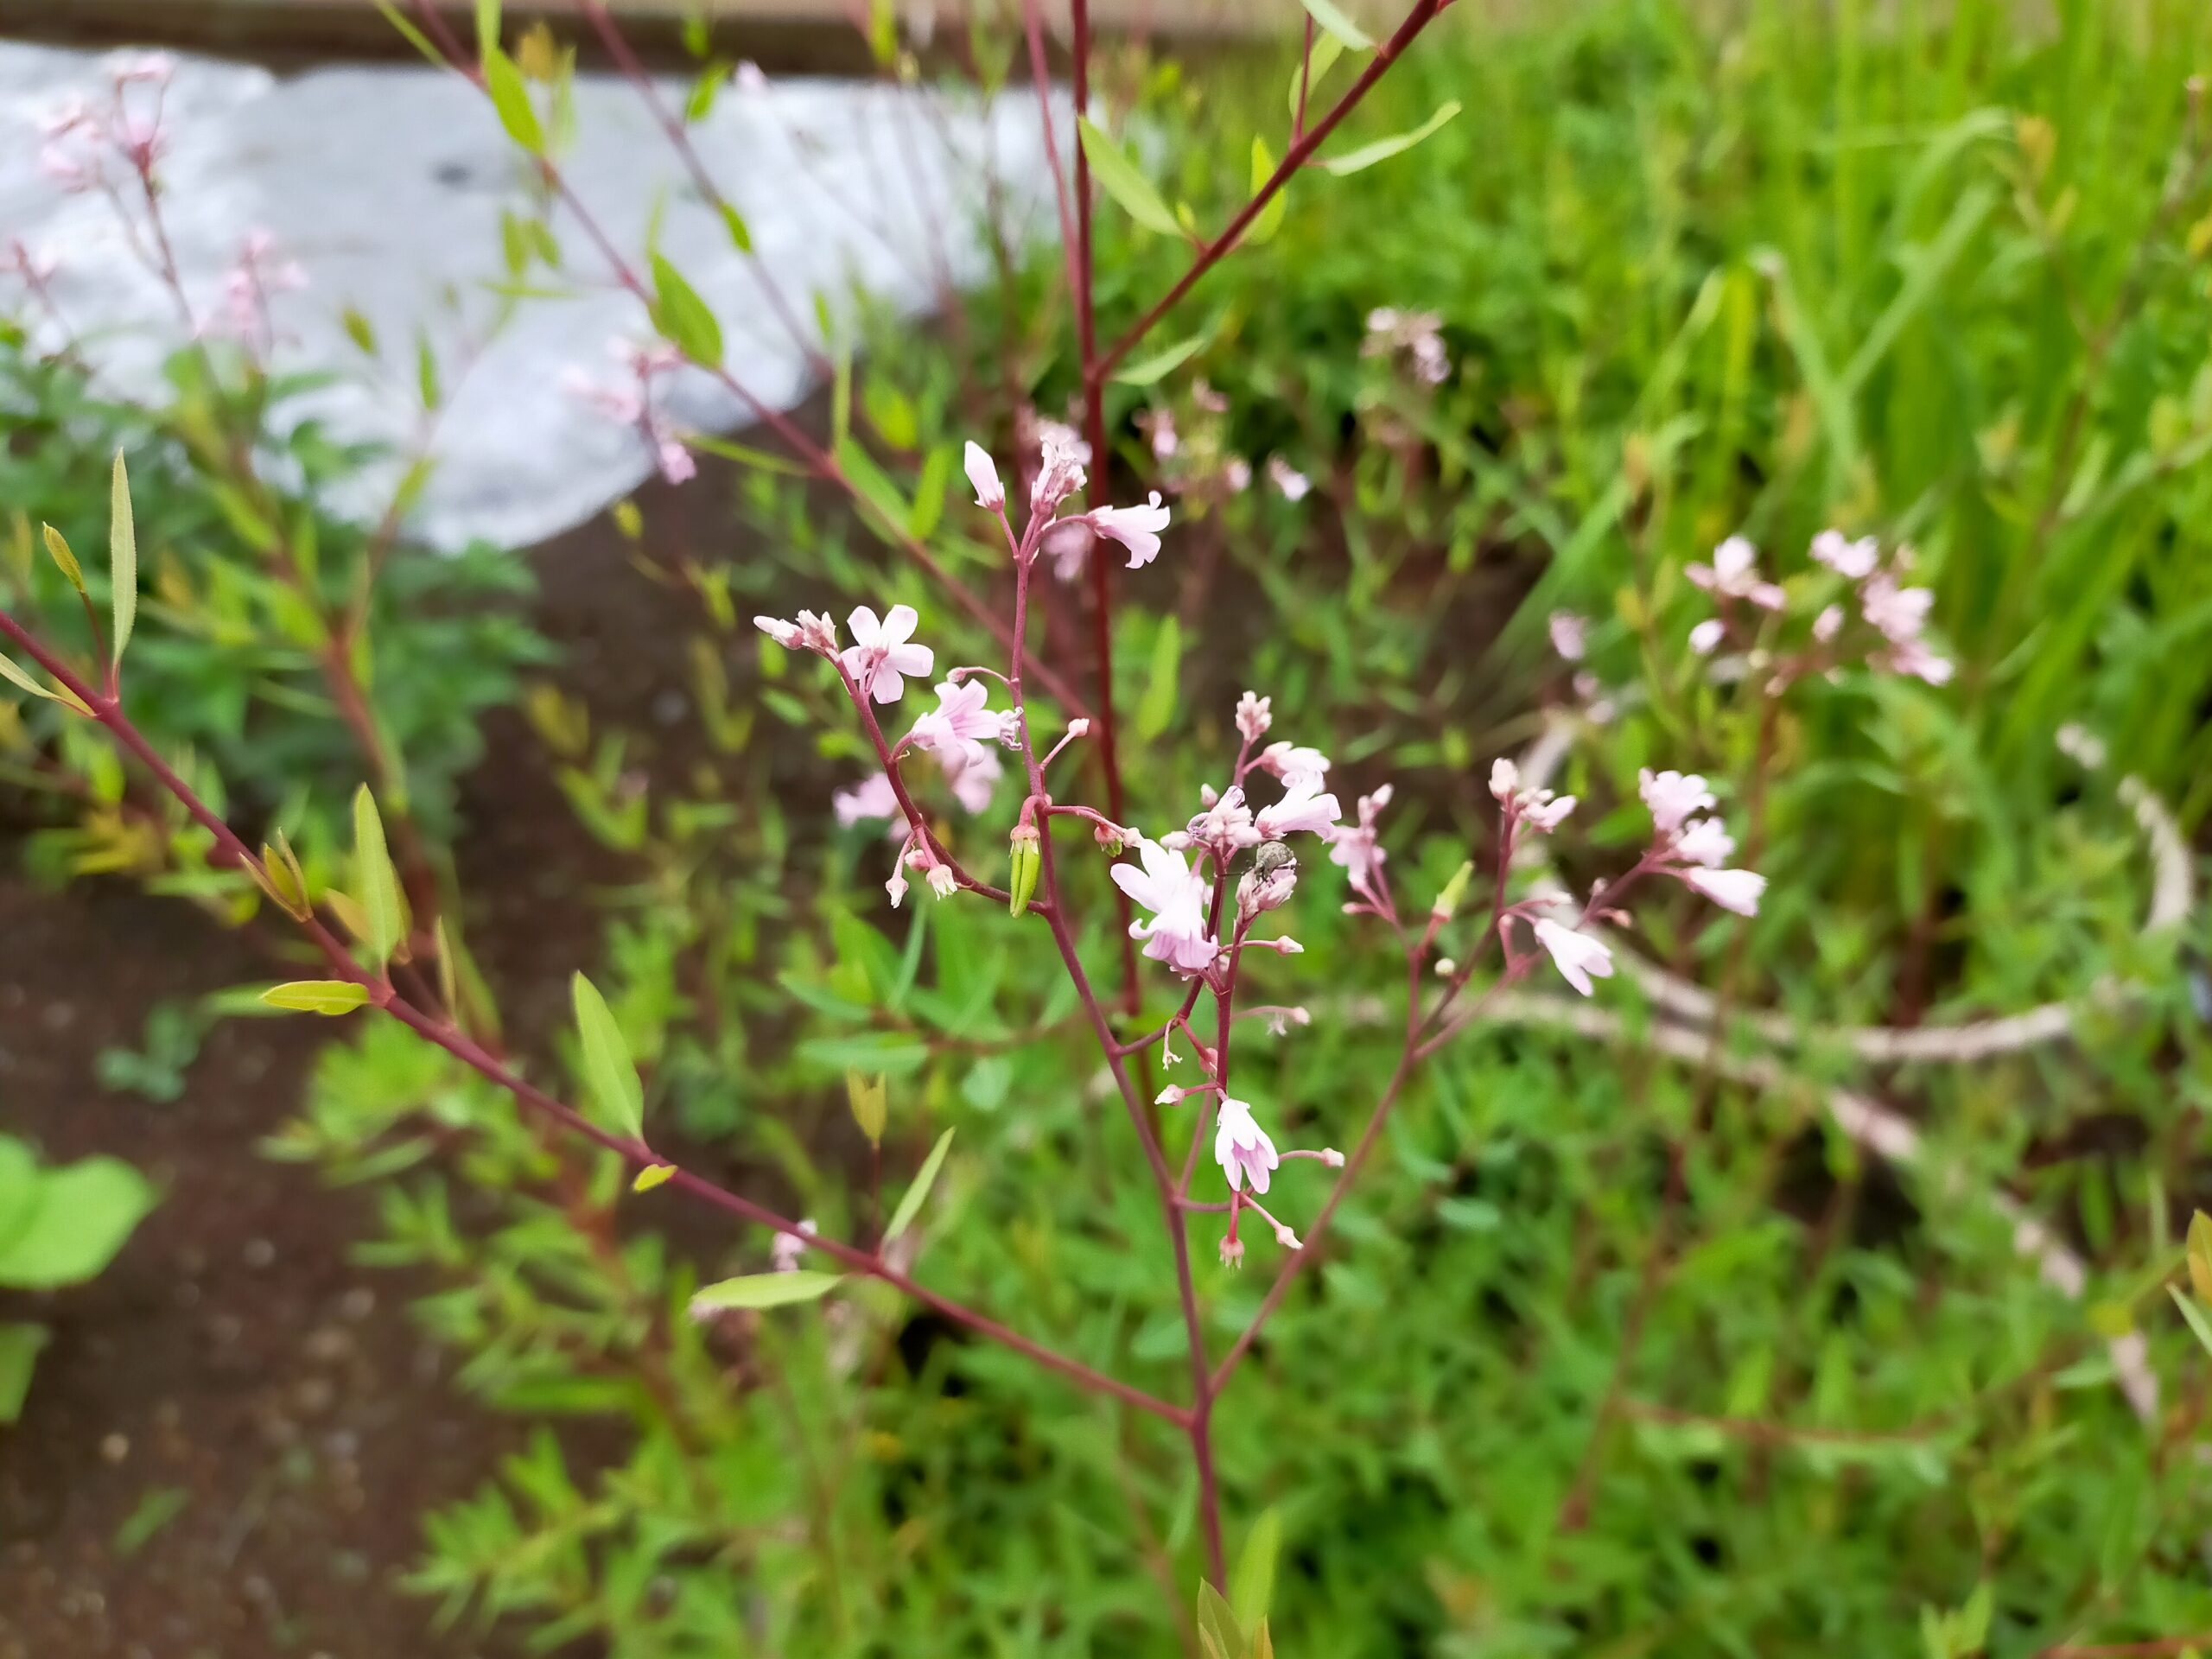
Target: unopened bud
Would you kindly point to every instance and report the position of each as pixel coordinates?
(1288, 1239)
(1232, 1252)
(1447, 902)
(1025, 857)
(1333, 1158)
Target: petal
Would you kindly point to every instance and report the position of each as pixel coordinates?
(865, 629)
(899, 627)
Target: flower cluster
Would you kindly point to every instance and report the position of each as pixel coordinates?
(1889, 634)
(629, 401)
(1417, 336)
(1194, 456)
(82, 140)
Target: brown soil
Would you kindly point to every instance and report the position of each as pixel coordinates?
(234, 1365)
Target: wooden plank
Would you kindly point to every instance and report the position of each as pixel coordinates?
(783, 36)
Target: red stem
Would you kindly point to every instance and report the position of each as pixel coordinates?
(108, 711)
(1095, 370)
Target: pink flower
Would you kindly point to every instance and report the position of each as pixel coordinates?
(872, 798)
(1236, 472)
(1136, 528)
(1672, 798)
(975, 782)
(1356, 848)
(153, 67)
(1254, 716)
(1577, 955)
(1735, 890)
(1733, 574)
(1241, 1147)
(1504, 779)
(1285, 760)
(1176, 934)
(748, 79)
(1545, 813)
(959, 724)
(675, 460)
(1293, 484)
(1912, 657)
(1854, 560)
(1303, 806)
(1224, 826)
(1704, 841)
(1707, 636)
(812, 632)
(1069, 542)
(1828, 623)
(73, 172)
(983, 474)
(1061, 459)
(1570, 635)
(1898, 613)
(1165, 441)
(785, 1249)
(880, 657)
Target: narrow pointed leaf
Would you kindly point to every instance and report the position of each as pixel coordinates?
(765, 1290)
(1145, 370)
(384, 913)
(652, 1175)
(18, 675)
(1252, 1586)
(317, 996)
(1218, 1631)
(1307, 76)
(2200, 1255)
(1383, 149)
(1270, 219)
(123, 555)
(57, 548)
(2195, 1317)
(1122, 179)
(509, 95)
(1339, 27)
(683, 317)
(609, 1072)
(910, 1204)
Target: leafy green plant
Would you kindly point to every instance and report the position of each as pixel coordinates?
(59, 1225)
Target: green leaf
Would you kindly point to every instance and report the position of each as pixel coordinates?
(1157, 706)
(360, 330)
(2194, 1315)
(488, 24)
(1124, 180)
(766, 1290)
(156, 1510)
(18, 675)
(19, 1348)
(510, 96)
(1151, 369)
(79, 1217)
(741, 233)
(1218, 1631)
(910, 1204)
(383, 912)
(408, 32)
(2200, 1255)
(1383, 149)
(683, 317)
(317, 995)
(57, 548)
(1252, 1586)
(1338, 27)
(123, 555)
(1271, 217)
(608, 1071)
(1308, 74)
(868, 1097)
(652, 1175)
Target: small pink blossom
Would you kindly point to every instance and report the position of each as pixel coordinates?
(1570, 635)
(1254, 715)
(1704, 841)
(1357, 849)
(1136, 528)
(1061, 459)
(1289, 482)
(1853, 559)
(879, 658)
(975, 782)
(1577, 955)
(785, 1250)
(959, 724)
(1912, 657)
(1237, 474)
(674, 462)
(1733, 574)
(1672, 798)
(1164, 885)
(1545, 812)
(1735, 890)
(942, 881)
(153, 67)
(623, 405)
(1899, 613)
(872, 798)
(1504, 779)
(983, 474)
(1828, 623)
(1241, 1147)
(1165, 441)
(1068, 544)
(72, 172)
(1224, 826)
(1707, 636)
(1285, 760)
(747, 78)
(812, 632)
(1303, 807)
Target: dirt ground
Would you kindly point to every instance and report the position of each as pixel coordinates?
(231, 1441)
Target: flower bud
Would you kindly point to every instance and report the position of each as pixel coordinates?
(1232, 1252)
(1447, 902)
(1288, 1239)
(1025, 857)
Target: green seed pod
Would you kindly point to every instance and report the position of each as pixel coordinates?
(1025, 857)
